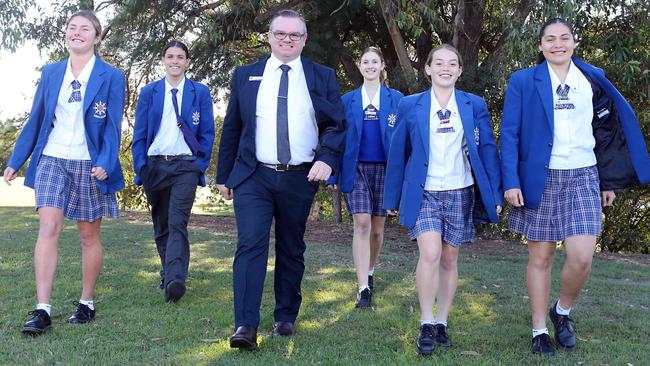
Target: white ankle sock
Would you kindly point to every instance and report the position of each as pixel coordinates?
(423, 322)
(371, 272)
(560, 310)
(439, 322)
(88, 303)
(46, 307)
(539, 331)
(361, 288)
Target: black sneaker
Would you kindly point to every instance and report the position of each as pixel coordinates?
(442, 338)
(426, 339)
(83, 314)
(564, 332)
(174, 291)
(370, 283)
(364, 299)
(542, 345)
(38, 324)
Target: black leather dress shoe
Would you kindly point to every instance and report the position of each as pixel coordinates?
(83, 314)
(245, 338)
(442, 338)
(284, 329)
(364, 299)
(38, 324)
(564, 332)
(542, 345)
(174, 291)
(426, 343)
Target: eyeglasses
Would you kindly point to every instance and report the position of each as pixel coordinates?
(280, 36)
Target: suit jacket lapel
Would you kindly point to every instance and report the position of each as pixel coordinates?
(356, 105)
(423, 119)
(545, 92)
(251, 87)
(384, 107)
(95, 82)
(308, 70)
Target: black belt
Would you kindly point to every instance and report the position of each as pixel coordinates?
(173, 157)
(287, 167)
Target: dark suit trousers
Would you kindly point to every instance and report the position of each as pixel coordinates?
(265, 195)
(170, 187)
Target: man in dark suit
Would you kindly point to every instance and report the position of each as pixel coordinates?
(283, 132)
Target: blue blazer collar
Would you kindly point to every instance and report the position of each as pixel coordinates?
(466, 111)
(54, 88)
(545, 91)
(423, 118)
(97, 78)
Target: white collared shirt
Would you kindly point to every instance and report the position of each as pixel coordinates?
(449, 166)
(365, 99)
(169, 138)
(573, 138)
(67, 140)
(303, 130)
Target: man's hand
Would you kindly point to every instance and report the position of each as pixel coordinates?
(607, 198)
(225, 191)
(319, 171)
(514, 197)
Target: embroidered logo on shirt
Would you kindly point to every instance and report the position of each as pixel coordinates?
(196, 117)
(100, 110)
(476, 136)
(392, 119)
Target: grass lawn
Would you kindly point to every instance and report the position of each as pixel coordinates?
(489, 323)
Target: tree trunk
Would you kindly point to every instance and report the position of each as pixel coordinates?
(314, 212)
(336, 206)
(467, 38)
(398, 42)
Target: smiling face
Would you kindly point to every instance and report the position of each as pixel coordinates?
(175, 61)
(81, 36)
(371, 66)
(444, 68)
(557, 44)
(287, 49)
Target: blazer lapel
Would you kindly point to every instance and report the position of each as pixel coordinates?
(423, 119)
(384, 107)
(308, 70)
(95, 82)
(356, 105)
(189, 99)
(54, 87)
(466, 111)
(157, 105)
(545, 92)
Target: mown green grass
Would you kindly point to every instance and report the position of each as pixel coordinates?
(489, 324)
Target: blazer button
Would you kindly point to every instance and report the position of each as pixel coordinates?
(426, 164)
(421, 185)
(550, 144)
(545, 166)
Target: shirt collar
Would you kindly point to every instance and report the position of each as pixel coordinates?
(169, 87)
(572, 77)
(365, 99)
(274, 63)
(85, 72)
(451, 105)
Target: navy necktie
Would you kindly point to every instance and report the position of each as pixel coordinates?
(282, 127)
(76, 92)
(444, 115)
(563, 92)
(189, 137)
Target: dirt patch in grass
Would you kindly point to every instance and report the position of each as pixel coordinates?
(320, 232)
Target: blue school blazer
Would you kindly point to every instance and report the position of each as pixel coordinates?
(527, 133)
(196, 110)
(408, 157)
(103, 108)
(352, 101)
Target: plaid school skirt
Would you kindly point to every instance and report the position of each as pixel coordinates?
(570, 206)
(367, 194)
(67, 185)
(448, 213)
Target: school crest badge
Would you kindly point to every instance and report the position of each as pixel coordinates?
(392, 119)
(100, 110)
(196, 117)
